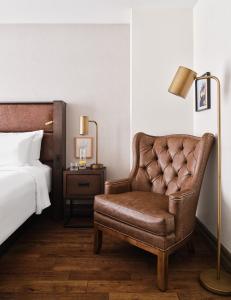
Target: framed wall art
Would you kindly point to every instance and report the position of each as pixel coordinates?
(202, 87)
(84, 142)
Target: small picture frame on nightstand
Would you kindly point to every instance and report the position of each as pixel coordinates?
(84, 142)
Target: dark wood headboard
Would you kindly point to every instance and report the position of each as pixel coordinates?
(27, 116)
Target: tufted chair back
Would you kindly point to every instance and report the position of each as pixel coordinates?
(169, 164)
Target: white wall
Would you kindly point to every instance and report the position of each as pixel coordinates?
(85, 65)
(212, 52)
(78, 11)
(162, 39)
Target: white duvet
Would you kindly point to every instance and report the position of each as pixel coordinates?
(23, 191)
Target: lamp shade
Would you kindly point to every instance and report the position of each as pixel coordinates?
(182, 82)
(83, 125)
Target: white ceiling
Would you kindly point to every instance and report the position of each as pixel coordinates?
(79, 11)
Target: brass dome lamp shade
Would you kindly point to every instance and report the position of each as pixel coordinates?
(84, 128)
(214, 280)
(182, 82)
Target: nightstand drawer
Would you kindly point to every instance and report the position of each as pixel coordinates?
(82, 185)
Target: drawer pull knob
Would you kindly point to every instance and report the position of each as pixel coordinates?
(84, 184)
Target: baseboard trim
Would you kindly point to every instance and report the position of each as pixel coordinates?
(212, 240)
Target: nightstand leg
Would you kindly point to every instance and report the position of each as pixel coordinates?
(98, 237)
(67, 215)
(70, 210)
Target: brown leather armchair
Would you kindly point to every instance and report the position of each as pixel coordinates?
(155, 207)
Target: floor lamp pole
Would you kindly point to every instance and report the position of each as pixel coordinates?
(219, 197)
(215, 280)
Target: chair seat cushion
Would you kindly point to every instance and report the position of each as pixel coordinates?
(143, 210)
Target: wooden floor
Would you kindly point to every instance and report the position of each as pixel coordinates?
(48, 261)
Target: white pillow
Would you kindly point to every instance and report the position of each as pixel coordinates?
(15, 148)
(36, 145)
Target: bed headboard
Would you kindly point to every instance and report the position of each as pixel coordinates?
(16, 117)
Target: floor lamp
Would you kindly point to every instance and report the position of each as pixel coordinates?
(215, 280)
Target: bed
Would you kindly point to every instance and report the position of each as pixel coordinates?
(21, 186)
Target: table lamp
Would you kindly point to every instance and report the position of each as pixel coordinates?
(84, 128)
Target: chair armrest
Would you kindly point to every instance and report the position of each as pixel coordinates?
(118, 186)
(176, 200)
(183, 206)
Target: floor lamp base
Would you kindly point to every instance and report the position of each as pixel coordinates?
(208, 279)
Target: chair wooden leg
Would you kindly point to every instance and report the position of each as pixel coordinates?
(98, 236)
(190, 247)
(162, 270)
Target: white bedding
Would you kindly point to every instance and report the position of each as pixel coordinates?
(23, 191)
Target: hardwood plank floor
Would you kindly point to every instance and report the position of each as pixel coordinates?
(48, 261)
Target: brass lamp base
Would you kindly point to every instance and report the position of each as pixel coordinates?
(222, 286)
(96, 166)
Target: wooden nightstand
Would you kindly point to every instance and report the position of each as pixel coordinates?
(79, 190)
